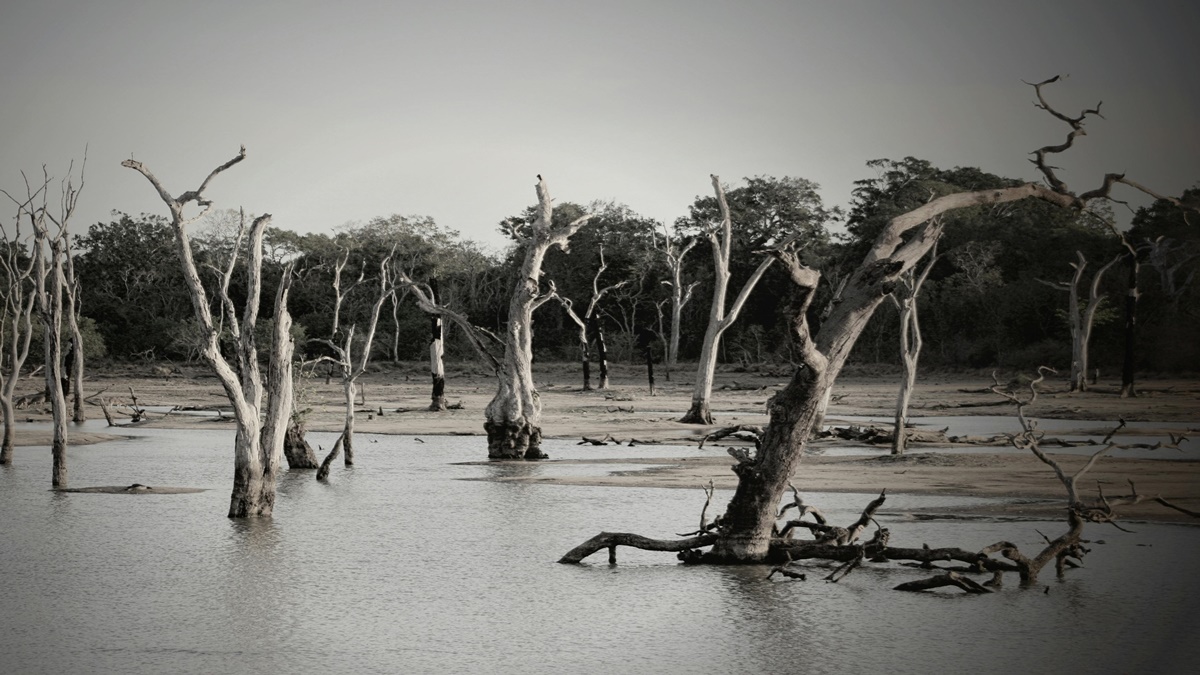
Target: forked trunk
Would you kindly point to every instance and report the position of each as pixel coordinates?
(513, 416)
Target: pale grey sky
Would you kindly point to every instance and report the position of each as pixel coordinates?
(355, 109)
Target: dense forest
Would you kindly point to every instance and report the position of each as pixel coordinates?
(990, 301)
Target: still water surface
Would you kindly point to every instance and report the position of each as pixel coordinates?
(401, 565)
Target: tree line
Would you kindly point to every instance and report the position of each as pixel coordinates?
(985, 304)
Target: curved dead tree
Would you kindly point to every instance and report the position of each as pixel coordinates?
(513, 417)
(258, 444)
(841, 543)
(748, 529)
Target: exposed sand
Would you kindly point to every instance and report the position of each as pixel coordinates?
(627, 411)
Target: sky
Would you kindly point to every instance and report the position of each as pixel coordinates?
(357, 109)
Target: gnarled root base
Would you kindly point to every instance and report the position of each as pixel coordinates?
(697, 414)
(296, 449)
(514, 440)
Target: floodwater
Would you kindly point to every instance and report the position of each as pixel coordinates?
(414, 562)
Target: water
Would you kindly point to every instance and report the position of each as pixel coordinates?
(400, 565)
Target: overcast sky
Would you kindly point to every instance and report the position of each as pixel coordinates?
(356, 109)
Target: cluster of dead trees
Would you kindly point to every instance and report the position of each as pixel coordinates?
(822, 335)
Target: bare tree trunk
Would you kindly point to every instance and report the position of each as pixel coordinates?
(48, 252)
(513, 416)
(589, 326)
(719, 320)
(73, 312)
(436, 350)
(395, 328)
(16, 327)
(680, 296)
(348, 429)
(10, 420)
(345, 351)
(1081, 321)
(257, 454)
(905, 296)
(1129, 362)
(601, 352)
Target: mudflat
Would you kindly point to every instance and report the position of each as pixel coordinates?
(396, 399)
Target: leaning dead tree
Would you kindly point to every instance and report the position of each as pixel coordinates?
(747, 532)
(589, 327)
(513, 417)
(351, 370)
(1080, 320)
(720, 318)
(261, 415)
(16, 324)
(905, 299)
(842, 543)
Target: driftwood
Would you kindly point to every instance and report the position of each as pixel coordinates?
(747, 432)
(598, 441)
(948, 579)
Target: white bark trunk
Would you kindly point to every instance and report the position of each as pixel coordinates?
(513, 416)
(719, 320)
(256, 463)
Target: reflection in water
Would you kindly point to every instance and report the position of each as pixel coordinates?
(403, 566)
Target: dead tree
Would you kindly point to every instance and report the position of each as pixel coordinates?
(680, 295)
(258, 444)
(437, 350)
(840, 543)
(720, 318)
(905, 299)
(428, 301)
(513, 417)
(1080, 320)
(589, 327)
(748, 524)
(48, 251)
(16, 325)
(344, 352)
(71, 293)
